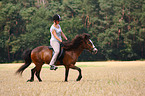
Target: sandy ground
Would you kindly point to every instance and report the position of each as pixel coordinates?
(99, 79)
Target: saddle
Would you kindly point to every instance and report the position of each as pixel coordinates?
(61, 53)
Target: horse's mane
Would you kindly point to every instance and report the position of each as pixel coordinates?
(76, 42)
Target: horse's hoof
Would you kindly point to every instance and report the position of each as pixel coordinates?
(79, 78)
(65, 81)
(40, 81)
(30, 80)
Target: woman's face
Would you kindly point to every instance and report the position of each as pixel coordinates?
(57, 22)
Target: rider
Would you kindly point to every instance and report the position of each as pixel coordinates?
(56, 39)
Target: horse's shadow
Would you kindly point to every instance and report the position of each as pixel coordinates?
(60, 81)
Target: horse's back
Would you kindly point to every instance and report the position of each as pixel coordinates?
(41, 54)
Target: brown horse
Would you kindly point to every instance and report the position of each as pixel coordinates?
(43, 54)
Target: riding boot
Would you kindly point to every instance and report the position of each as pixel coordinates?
(52, 67)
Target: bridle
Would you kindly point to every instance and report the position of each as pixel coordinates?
(89, 45)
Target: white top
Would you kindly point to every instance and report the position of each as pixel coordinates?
(58, 33)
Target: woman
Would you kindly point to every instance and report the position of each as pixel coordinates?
(56, 39)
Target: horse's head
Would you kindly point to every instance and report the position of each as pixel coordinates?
(88, 44)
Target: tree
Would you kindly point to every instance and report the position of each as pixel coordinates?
(10, 27)
(117, 28)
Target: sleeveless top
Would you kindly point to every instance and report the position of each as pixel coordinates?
(58, 33)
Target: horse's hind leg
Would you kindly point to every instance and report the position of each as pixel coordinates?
(66, 73)
(38, 69)
(32, 75)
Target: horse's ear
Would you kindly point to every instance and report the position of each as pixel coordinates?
(86, 36)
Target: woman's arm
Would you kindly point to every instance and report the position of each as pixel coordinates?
(63, 35)
(54, 34)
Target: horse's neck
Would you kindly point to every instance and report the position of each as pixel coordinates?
(78, 51)
(73, 55)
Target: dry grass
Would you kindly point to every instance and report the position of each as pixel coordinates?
(99, 79)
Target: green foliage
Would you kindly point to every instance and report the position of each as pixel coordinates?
(117, 27)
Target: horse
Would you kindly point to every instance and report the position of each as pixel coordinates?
(43, 54)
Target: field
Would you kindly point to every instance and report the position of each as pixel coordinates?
(99, 79)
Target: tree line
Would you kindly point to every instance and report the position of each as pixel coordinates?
(117, 27)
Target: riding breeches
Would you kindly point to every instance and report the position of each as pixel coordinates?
(56, 47)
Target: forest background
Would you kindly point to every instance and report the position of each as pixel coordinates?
(117, 27)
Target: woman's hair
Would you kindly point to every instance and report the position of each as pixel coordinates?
(76, 42)
(56, 17)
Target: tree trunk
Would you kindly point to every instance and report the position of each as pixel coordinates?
(8, 53)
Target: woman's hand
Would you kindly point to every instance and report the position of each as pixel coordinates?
(66, 38)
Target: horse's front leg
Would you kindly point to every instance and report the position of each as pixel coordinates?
(66, 73)
(80, 73)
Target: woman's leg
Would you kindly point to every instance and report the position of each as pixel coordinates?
(56, 47)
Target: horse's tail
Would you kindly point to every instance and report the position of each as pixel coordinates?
(27, 58)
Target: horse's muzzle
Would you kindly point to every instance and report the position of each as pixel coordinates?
(95, 50)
